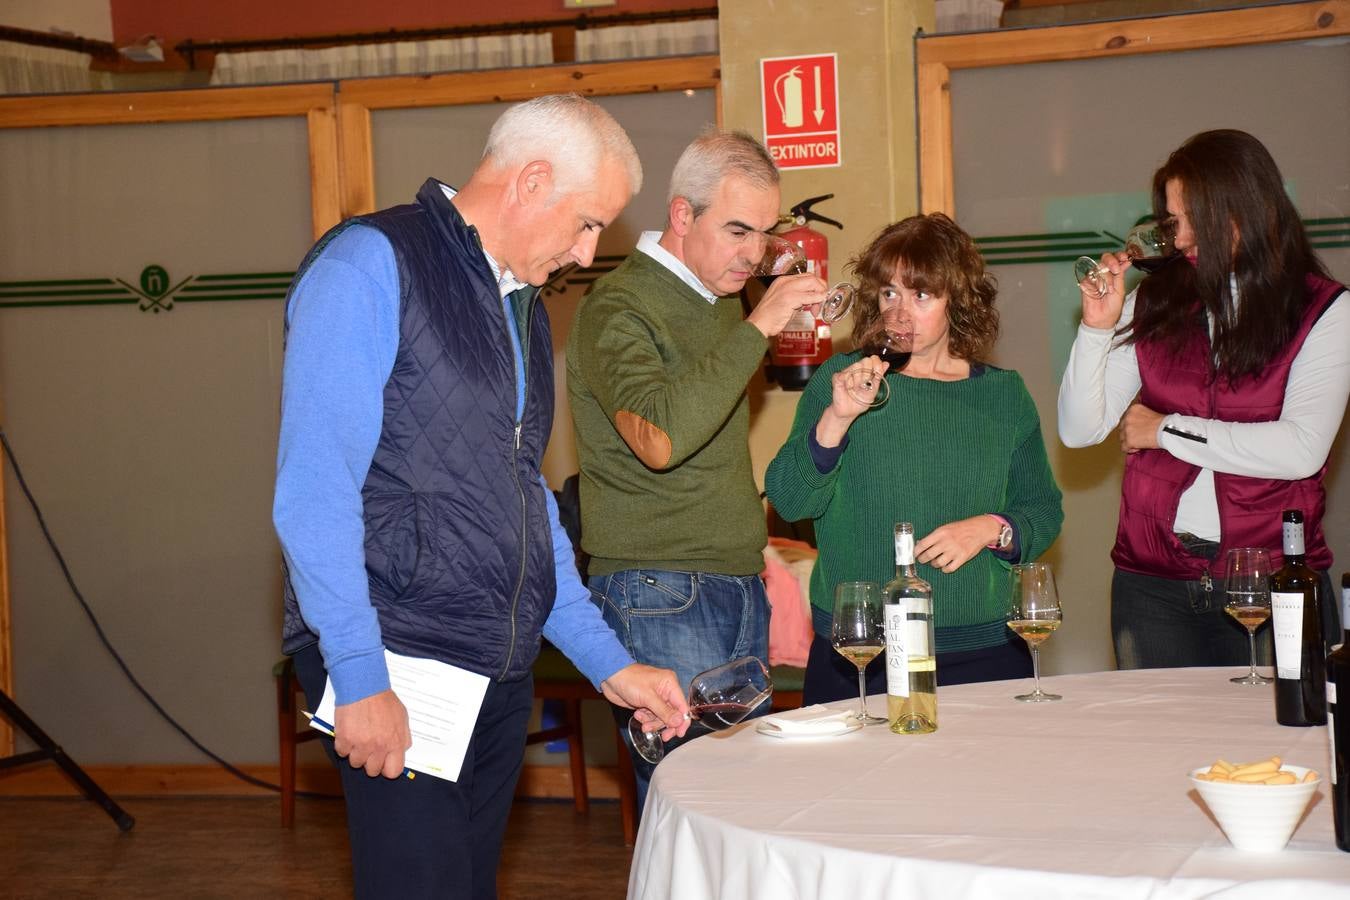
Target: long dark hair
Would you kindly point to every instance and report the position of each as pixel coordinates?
(1234, 197)
(933, 254)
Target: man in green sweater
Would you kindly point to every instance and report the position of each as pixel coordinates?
(657, 364)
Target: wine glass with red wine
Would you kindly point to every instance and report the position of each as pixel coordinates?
(1149, 245)
(782, 257)
(718, 698)
(893, 344)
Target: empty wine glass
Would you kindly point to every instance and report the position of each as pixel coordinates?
(718, 697)
(1033, 615)
(1246, 578)
(859, 633)
(1149, 245)
(782, 257)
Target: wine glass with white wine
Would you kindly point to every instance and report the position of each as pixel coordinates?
(1246, 579)
(1034, 614)
(858, 633)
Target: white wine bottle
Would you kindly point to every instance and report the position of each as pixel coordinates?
(1300, 657)
(911, 662)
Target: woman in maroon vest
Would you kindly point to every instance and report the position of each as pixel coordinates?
(1228, 375)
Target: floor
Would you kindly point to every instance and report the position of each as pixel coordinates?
(209, 847)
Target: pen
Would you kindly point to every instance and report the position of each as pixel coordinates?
(327, 729)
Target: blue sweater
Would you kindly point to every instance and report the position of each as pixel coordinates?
(346, 308)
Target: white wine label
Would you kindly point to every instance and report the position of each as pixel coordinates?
(897, 650)
(1331, 692)
(1286, 613)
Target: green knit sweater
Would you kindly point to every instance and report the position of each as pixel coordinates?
(938, 451)
(656, 377)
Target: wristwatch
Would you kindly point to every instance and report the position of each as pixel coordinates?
(1005, 536)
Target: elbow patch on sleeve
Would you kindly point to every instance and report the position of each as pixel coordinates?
(651, 444)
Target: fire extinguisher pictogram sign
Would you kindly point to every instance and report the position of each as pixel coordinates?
(800, 102)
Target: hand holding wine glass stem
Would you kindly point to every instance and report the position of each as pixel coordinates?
(781, 301)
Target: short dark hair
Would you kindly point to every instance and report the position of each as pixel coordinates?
(1245, 226)
(931, 253)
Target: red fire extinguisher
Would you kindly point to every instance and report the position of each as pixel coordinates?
(806, 342)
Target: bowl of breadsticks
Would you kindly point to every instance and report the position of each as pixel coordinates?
(1258, 804)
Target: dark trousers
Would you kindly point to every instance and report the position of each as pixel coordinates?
(1159, 623)
(830, 677)
(428, 837)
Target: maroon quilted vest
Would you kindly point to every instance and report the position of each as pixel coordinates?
(1184, 381)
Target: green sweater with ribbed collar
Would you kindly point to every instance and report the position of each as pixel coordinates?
(656, 377)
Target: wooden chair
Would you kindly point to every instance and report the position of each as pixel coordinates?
(290, 732)
(555, 678)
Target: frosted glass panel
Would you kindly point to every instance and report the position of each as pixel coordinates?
(140, 339)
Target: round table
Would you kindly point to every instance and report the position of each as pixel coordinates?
(1087, 797)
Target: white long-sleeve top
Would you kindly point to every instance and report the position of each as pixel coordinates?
(1102, 380)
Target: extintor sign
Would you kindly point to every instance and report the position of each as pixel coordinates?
(800, 97)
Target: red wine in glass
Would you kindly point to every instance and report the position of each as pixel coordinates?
(891, 347)
(1150, 264)
(719, 716)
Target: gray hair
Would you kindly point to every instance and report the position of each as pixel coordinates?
(569, 131)
(714, 155)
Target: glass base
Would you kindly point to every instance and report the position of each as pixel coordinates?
(870, 719)
(1037, 696)
(1251, 678)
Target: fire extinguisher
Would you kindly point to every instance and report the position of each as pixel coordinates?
(805, 342)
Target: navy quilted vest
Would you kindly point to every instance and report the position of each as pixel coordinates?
(458, 548)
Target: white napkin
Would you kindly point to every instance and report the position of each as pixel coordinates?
(809, 720)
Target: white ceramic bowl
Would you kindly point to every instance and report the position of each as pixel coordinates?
(1257, 817)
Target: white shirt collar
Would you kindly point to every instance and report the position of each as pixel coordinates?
(650, 244)
(507, 283)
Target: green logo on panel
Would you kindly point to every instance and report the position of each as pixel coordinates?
(154, 281)
(153, 291)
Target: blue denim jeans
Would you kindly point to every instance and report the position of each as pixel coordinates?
(684, 621)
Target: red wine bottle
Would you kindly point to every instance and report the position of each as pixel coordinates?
(1300, 657)
(1338, 724)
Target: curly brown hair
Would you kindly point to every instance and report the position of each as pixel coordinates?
(930, 253)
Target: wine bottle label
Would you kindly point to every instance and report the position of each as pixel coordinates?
(1286, 613)
(897, 647)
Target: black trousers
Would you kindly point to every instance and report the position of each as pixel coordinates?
(428, 837)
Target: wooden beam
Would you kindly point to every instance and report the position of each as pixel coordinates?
(357, 160)
(325, 179)
(140, 107)
(508, 85)
(1162, 34)
(935, 139)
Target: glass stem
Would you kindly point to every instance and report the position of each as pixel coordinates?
(1036, 667)
(1251, 643)
(862, 695)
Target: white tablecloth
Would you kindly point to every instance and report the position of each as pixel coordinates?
(1085, 798)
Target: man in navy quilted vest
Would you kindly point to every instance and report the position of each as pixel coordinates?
(417, 399)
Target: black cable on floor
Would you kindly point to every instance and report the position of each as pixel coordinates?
(107, 645)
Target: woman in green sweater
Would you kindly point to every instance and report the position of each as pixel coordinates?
(956, 450)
